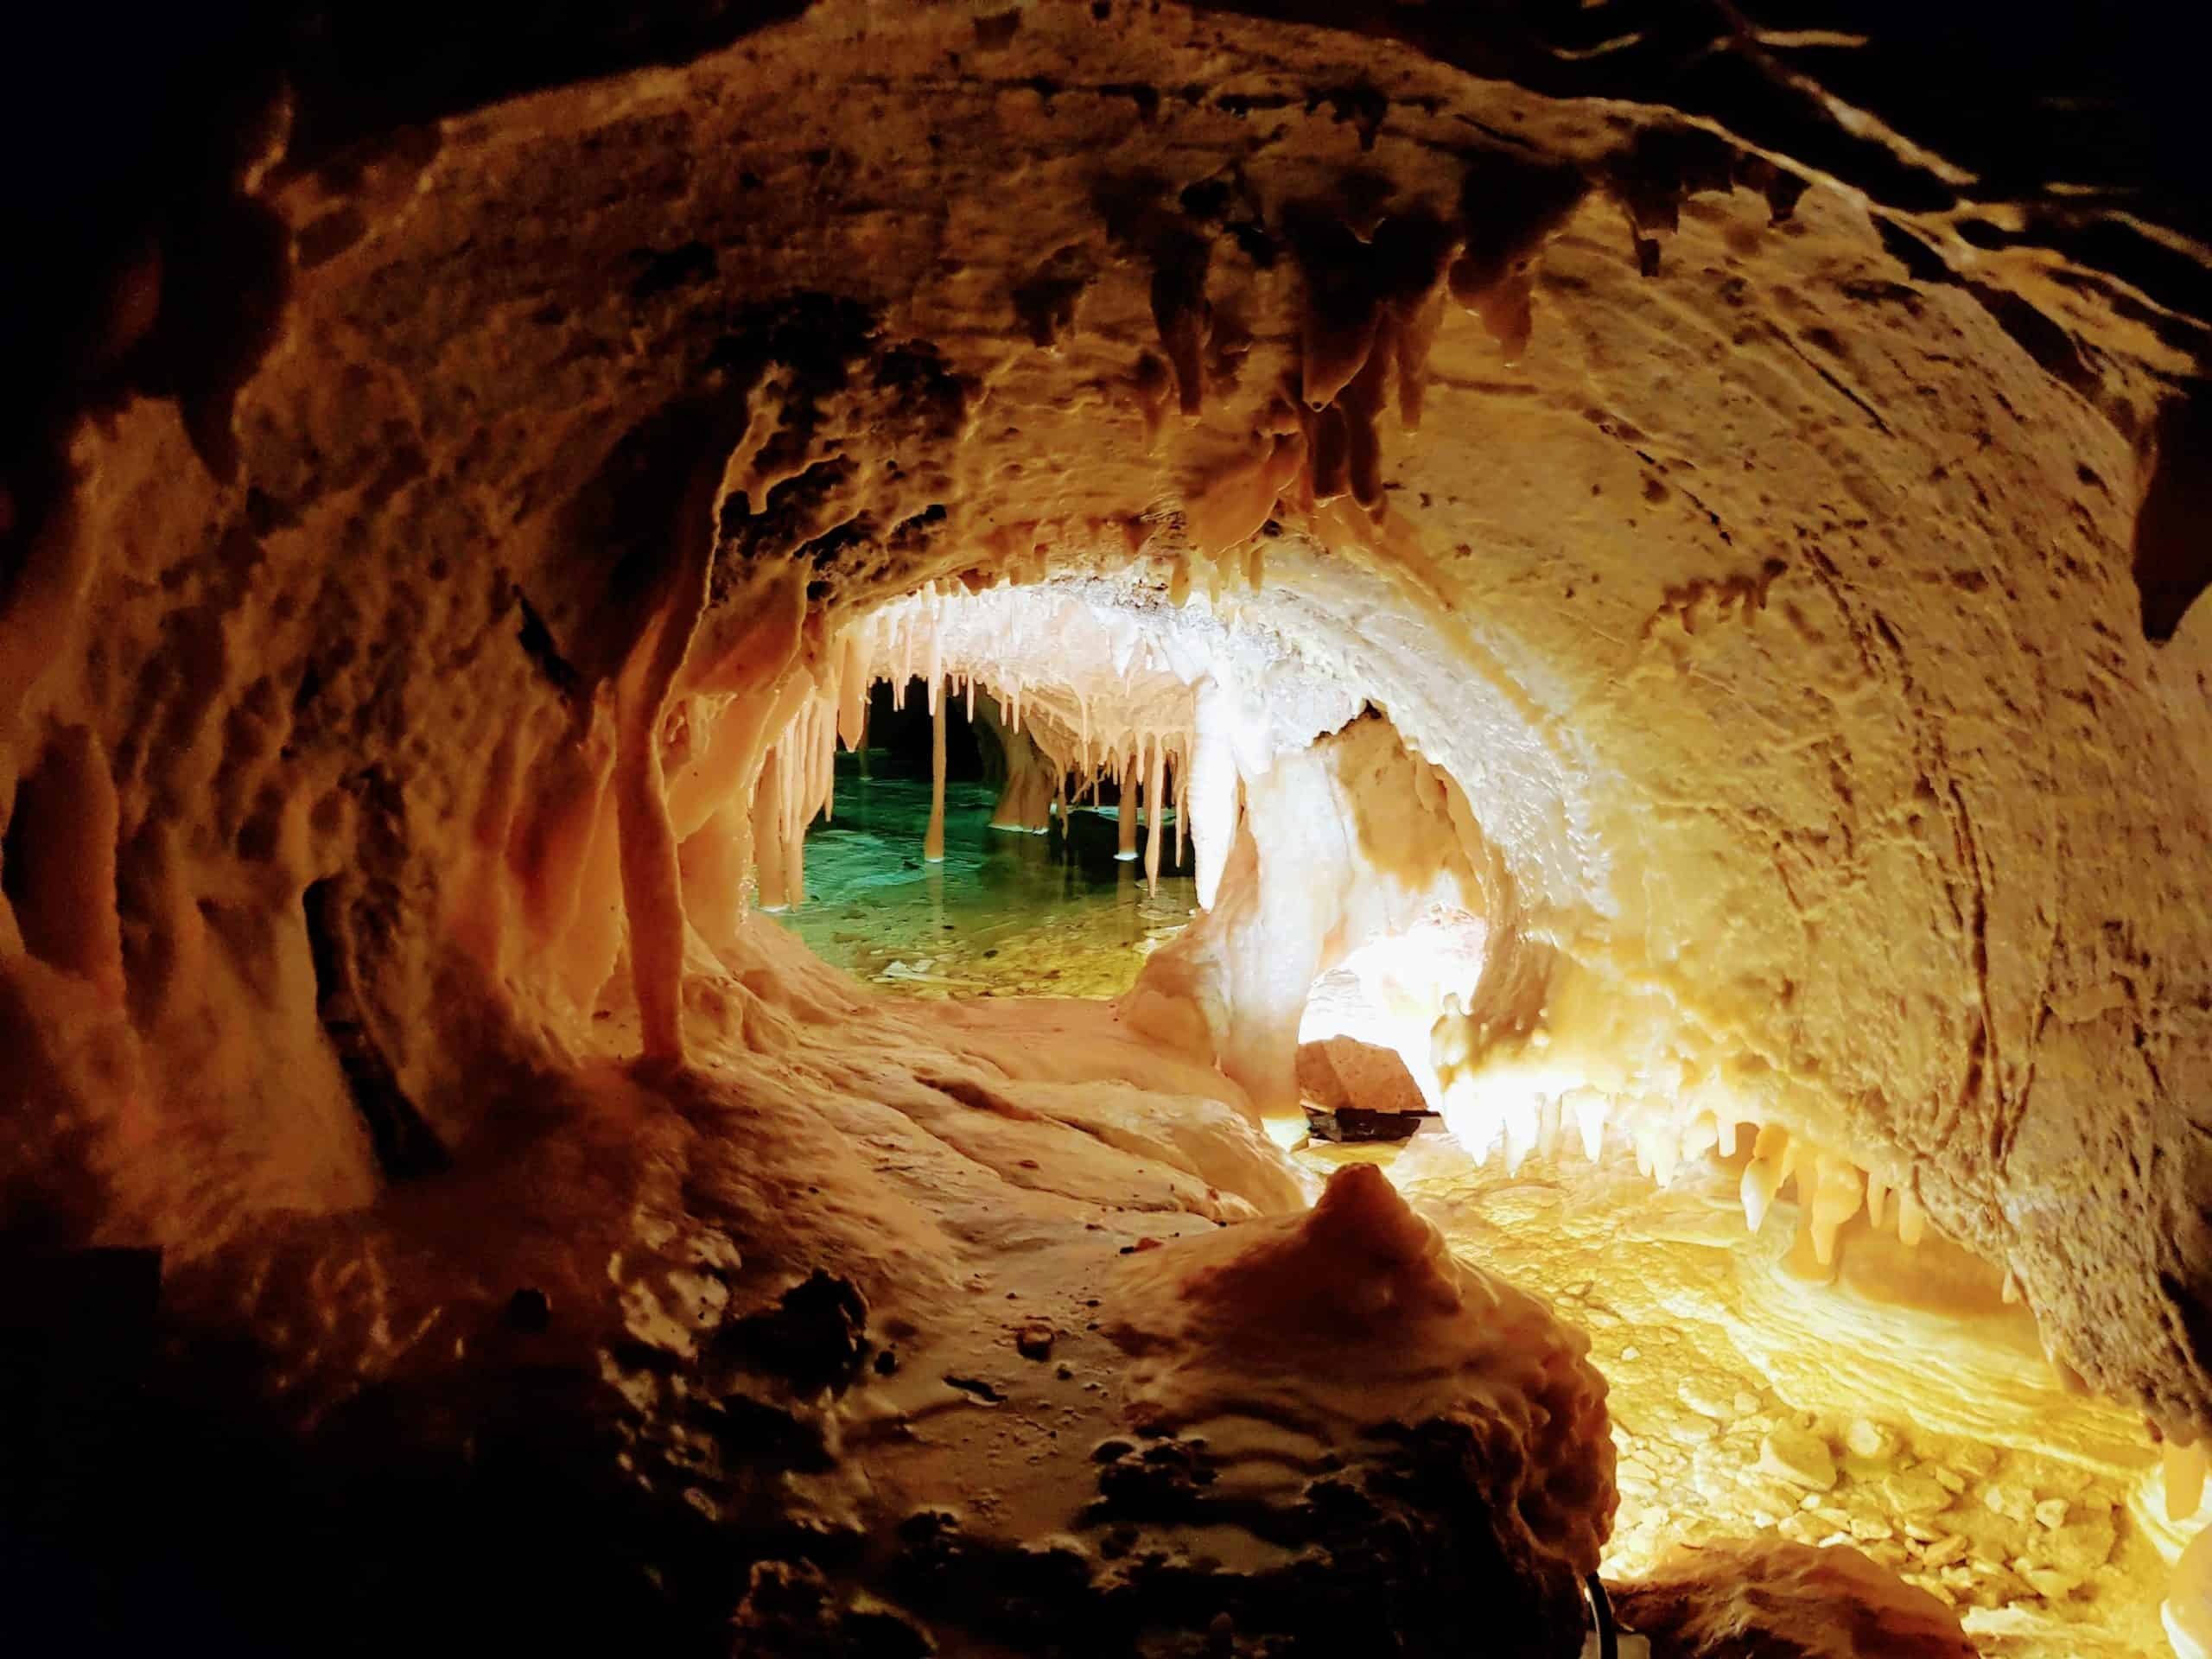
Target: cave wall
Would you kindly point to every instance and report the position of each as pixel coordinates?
(1773, 605)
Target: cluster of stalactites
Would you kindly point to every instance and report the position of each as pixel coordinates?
(1374, 311)
(1496, 1108)
(1131, 724)
(798, 783)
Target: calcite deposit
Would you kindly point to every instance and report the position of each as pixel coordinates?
(1676, 589)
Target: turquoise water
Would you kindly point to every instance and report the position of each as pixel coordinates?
(1005, 912)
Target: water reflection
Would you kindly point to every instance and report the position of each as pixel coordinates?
(1007, 913)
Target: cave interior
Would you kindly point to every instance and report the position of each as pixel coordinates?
(1100, 827)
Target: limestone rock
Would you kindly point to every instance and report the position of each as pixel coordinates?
(1946, 1551)
(2015, 1504)
(1770, 1596)
(1915, 1494)
(1871, 1442)
(1799, 1457)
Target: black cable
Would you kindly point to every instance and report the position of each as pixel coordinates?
(1601, 1609)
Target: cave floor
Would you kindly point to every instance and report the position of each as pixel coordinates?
(1747, 1397)
(1895, 1404)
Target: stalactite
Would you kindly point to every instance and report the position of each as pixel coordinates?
(715, 859)
(768, 835)
(933, 842)
(795, 867)
(826, 755)
(1125, 810)
(933, 656)
(652, 880)
(1156, 753)
(1211, 789)
(550, 848)
(853, 680)
(1179, 788)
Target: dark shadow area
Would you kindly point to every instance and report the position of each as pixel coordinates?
(2173, 532)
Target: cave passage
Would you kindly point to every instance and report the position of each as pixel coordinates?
(1106, 829)
(1761, 1306)
(1014, 906)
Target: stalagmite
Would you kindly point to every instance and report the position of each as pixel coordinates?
(933, 841)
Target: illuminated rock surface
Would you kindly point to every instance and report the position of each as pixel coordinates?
(1672, 587)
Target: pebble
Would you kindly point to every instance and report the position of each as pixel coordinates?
(1704, 1396)
(1745, 1404)
(1872, 1440)
(1975, 1458)
(1951, 1480)
(2051, 1513)
(2081, 1549)
(1716, 1485)
(2014, 1502)
(1798, 1457)
(1768, 1502)
(2051, 1584)
(1915, 1494)
(1946, 1551)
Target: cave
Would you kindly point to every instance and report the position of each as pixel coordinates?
(1104, 827)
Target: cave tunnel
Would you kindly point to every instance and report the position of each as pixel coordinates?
(1079, 828)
